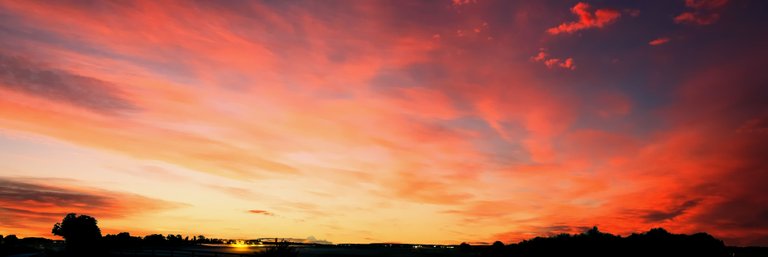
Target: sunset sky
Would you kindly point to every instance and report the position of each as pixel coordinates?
(386, 121)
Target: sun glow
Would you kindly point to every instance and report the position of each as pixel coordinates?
(239, 244)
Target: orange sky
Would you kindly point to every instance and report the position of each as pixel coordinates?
(372, 121)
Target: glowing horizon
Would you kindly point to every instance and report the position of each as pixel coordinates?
(376, 121)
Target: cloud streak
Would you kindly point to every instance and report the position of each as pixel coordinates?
(659, 41)
(261, 212)
(20, 74)
(31, 207)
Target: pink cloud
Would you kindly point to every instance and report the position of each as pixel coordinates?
(659, 41)
(587, 19)
(31, 206)
(543, 57)
(462, 2)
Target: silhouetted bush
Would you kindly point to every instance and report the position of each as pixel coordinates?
(121, 241)
(11, 245)
(464, 247)
(496, 249)
(281, 249)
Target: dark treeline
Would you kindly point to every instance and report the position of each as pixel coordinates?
(126, 240)
(656, 242)
(11, 244)
(82, 238)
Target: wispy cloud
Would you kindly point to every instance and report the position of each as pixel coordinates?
(659, 41)
(21, 74)
(702, 12)
(261, 212)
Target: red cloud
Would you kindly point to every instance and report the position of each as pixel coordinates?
(262, 212)
(462, 2)
(659, 41)
(587, 19)
(704, 12)
(29, 206)
(697, 18)
(543, 57)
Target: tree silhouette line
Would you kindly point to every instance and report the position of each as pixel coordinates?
(656, 242)
(82, 238)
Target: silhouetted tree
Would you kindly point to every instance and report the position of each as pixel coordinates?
(79, 232)
(464, 247)
(199, 239)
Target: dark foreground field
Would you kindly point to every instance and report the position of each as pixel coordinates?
(594, 243)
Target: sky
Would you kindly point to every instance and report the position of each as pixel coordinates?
(386, 121)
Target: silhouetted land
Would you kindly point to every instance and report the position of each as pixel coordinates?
(82, 238)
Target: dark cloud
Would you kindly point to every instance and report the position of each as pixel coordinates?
(28, 206)
(21, 218)
(20, 192)
(560, 229)
(730, 120)
(657, 216)
(23, 75)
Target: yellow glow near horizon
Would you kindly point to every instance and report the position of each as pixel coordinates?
(239, 245)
